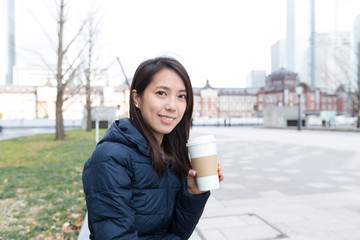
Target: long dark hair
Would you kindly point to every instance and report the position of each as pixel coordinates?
(174, 143)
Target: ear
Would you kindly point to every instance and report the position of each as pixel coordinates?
(136, 98)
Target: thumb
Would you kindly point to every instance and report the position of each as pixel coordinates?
(192, 173)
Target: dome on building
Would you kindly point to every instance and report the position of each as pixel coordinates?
(282, 72)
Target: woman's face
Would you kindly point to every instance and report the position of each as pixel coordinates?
(163, 102)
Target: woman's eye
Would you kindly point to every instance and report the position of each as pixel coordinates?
(161, 93)
(182, 96)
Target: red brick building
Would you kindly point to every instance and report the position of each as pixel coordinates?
(280, 90)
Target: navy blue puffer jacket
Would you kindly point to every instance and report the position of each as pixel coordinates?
(126, 199)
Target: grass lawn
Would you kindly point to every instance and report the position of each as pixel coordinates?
(41, 193)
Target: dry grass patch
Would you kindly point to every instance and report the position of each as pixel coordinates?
(41, 193)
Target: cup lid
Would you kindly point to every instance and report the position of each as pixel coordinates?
(200, 140)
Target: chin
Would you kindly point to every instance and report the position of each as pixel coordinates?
(168, 130)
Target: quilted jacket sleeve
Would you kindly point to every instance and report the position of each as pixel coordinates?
(107, 180)
(188, 210)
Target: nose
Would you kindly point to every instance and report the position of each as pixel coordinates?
(171, 105)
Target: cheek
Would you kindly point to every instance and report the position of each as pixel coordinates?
(182, 109)
(149, 109)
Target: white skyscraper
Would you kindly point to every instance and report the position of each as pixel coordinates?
(7, 41)
(356, 51)
(333, 21)
(3, 31)
(278, 55)
(256, 79)
(298, 38)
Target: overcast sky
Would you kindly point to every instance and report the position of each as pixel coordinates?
(216, 40)
(219, 41)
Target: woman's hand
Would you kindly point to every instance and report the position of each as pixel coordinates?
(192, 186)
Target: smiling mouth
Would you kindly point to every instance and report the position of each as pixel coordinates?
(167, 118)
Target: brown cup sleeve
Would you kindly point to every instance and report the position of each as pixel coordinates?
(205, 166)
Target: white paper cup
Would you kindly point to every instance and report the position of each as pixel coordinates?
(204, 161)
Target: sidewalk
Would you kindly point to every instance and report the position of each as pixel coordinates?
(284, 184)
(84, 232)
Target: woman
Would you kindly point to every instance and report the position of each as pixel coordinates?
(138, 182)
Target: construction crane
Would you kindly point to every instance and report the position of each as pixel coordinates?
(123, 71)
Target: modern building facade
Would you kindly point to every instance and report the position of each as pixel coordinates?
(319, 42)
(256, 79)
(7, 41)
(278, 55)
(297, 38)
(356, 44)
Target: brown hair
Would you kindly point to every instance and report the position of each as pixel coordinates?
(174, 143)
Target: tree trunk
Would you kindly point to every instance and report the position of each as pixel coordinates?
(60, 131)
(358, 105)
(358, 120)
(88, 106)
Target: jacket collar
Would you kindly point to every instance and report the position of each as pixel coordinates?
(125, 132)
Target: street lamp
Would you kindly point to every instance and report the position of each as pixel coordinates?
(298, 93)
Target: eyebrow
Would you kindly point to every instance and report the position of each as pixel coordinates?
(167, 88)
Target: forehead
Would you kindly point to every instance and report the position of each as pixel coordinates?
(167, 77)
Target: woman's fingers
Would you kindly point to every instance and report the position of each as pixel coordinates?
(221, 175)
(192, 173)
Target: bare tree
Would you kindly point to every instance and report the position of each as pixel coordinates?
(92, 70)
(88, 70)
(66, 72)
(89, 73)
(346, 70)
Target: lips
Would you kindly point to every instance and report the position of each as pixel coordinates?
(167, 118)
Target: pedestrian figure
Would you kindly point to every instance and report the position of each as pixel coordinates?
(138, 182)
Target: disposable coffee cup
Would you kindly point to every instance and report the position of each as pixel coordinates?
(204, 161)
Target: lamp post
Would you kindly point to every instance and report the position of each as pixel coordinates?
(298, 93)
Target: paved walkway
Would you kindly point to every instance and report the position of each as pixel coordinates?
(9, 133)
(283, 184)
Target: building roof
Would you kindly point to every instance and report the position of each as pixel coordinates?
(48, 83)
(282, 72)
(238, 91)
(17, 89)
(231, 91)
(207, 85)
